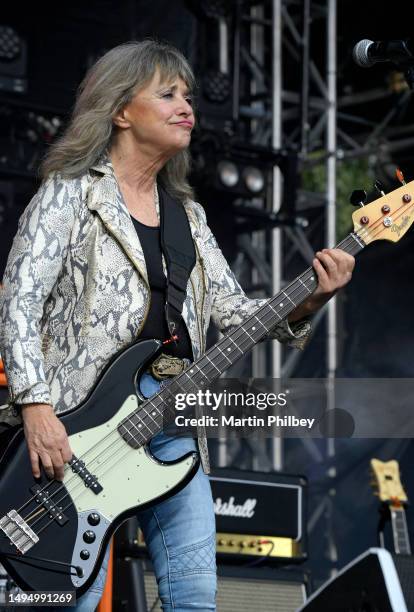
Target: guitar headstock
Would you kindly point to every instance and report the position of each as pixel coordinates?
(387, 218)
(387, 481)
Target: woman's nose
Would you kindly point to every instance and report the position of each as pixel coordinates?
(185, 108)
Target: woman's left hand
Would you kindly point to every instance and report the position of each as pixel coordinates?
(334, 270)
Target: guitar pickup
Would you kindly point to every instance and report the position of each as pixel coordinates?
(78, 466)
(41, 496)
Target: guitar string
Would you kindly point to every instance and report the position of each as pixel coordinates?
(121, 440)
(358, 233)
(349, 239)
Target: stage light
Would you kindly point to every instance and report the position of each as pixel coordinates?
(228, 173)
(254, 179)
(216, 87)
(13, 61)
(10, 44)
(238, 169)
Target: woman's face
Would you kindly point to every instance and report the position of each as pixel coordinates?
(160, 116)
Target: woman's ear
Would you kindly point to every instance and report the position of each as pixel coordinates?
(121, 118)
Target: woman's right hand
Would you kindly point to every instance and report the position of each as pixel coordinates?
(46, 440)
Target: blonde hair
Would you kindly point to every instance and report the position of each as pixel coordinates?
(108, 86)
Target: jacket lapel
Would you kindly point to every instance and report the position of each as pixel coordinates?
(106, 199)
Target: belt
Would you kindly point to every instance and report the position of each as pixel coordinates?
(166, 366)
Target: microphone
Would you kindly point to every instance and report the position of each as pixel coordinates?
(366, 52)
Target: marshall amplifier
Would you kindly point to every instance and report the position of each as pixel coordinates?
(259, 514)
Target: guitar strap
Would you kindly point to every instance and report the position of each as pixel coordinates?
(179, 252)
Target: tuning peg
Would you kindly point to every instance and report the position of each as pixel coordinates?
(358, 197)
(379, 187)
(400, 176)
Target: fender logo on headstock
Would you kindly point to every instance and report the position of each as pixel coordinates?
(399, 227)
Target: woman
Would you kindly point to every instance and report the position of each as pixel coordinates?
(86, 276)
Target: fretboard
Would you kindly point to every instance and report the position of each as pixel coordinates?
(154, 414)
(400, 531)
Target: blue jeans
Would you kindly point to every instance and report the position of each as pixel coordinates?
(180, 535)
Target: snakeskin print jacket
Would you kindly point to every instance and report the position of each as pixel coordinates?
(75, 291)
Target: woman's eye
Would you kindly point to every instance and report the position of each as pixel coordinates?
(169, 94)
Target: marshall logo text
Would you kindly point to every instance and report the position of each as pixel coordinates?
(229, 508)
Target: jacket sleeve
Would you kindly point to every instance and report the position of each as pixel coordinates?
(230, 304)
(33, 266)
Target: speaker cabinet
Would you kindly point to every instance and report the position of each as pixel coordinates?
(240, 589)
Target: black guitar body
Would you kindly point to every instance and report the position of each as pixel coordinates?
(57, 541)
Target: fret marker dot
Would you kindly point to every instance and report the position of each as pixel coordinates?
(253, 328)
(153, 413)
(191, 371)
(312, 278)
(229, 349)
(140, 425)
(281, 304)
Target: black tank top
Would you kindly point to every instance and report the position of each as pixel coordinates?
(156, 324)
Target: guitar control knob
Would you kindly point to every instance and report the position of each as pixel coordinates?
(85, 554)
(89, 536)
(94, 519)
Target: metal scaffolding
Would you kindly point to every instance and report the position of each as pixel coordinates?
(273, 40)
(295, 116)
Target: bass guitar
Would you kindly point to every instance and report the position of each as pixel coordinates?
(53, 534)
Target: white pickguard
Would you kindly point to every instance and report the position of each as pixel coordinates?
(129, 477)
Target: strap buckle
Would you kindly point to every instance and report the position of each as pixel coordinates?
(166, 366)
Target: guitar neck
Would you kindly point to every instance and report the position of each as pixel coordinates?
(241, 340)
(399, 530)
(158, 411)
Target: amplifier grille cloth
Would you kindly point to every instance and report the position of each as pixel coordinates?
(243, 595)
